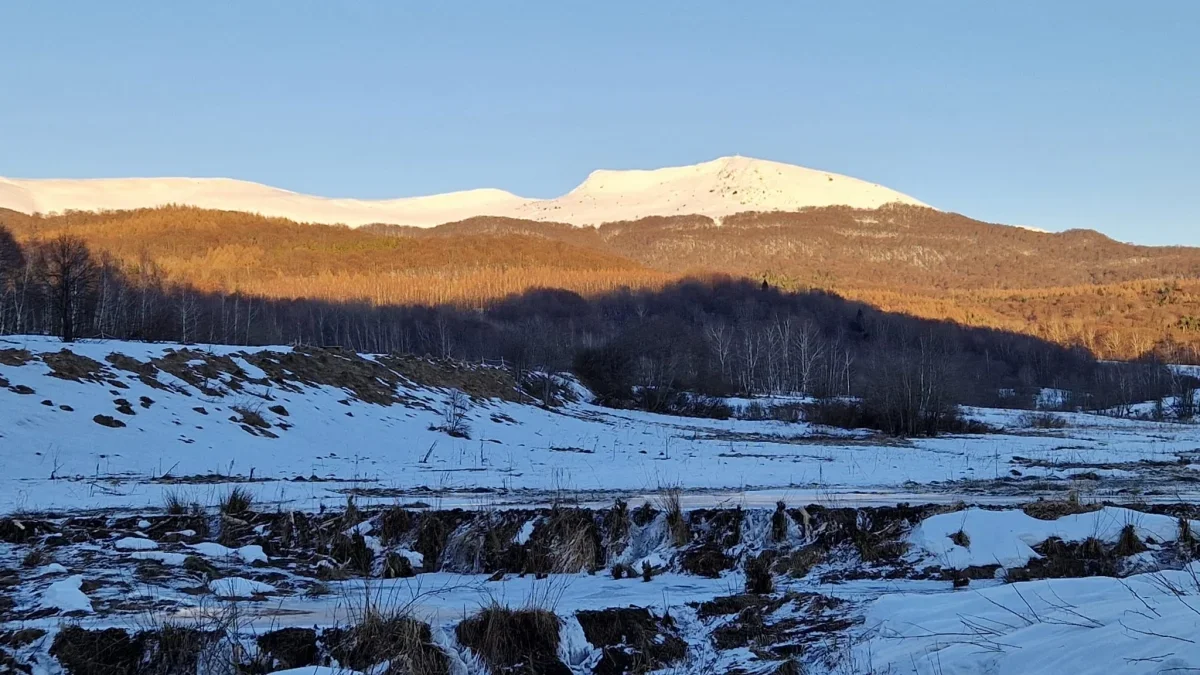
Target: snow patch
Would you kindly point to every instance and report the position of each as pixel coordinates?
(135, 544)
(1007, 538)
(239, 587)
(66, 596)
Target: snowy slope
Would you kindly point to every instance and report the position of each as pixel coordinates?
(53, 195)
(715, 189)
(56, 457)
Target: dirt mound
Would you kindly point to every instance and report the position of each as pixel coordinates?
(476, 381)
(632, 640)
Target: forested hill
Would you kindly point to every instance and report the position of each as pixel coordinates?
(1076, 287)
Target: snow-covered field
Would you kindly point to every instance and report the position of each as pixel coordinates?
(59, 459)
(716, 189)
(113, 431)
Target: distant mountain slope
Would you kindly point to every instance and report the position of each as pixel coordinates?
(100, 194)
(714, 189)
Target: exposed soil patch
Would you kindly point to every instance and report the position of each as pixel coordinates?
(67, 365)
(632, 640)
(14, 357)
(108, 421)
(146, 372)
(475, 381)
(289, 648)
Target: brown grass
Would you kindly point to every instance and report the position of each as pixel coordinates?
(668, 501)
(507, 638)
(961, 538)
(1053, 509)
(237, 502)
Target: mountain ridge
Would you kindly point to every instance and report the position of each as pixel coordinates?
(714, 189)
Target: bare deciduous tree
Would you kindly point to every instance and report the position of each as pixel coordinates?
(69, 273)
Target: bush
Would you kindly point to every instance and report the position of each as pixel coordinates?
(607, 371)
(782, 412)
(836, 412)
(454, 414)
(667, 401)
(1042, 420)
(896, 419)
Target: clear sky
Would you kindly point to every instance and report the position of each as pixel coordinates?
(1054, 114)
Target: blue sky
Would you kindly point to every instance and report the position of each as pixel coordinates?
(1051, 114)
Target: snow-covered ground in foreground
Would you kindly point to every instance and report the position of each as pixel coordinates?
(1144, 624)
(57, 457)
(178, 438)
(1006, 538)
(716, 188)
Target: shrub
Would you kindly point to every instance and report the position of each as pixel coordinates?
(251, 416)
(668, 401)
(892, 416)
(607, 371)
(1042, 420)
(454, 414)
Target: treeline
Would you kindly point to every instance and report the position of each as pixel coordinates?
(715, 336)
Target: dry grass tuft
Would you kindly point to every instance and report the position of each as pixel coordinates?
(175, 503)
(394, 524)
(961, 538)
(251, 416)
(237, 502)
(779, 523)
(1092, 548)
(618, 528)
(1128, 542)
(392, 637)
(573, 541)
(668, 501)
(513, 640)
(1053, 509)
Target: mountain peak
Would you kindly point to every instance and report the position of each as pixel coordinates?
(715, 188)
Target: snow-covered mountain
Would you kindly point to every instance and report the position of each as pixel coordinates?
(716, 189)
